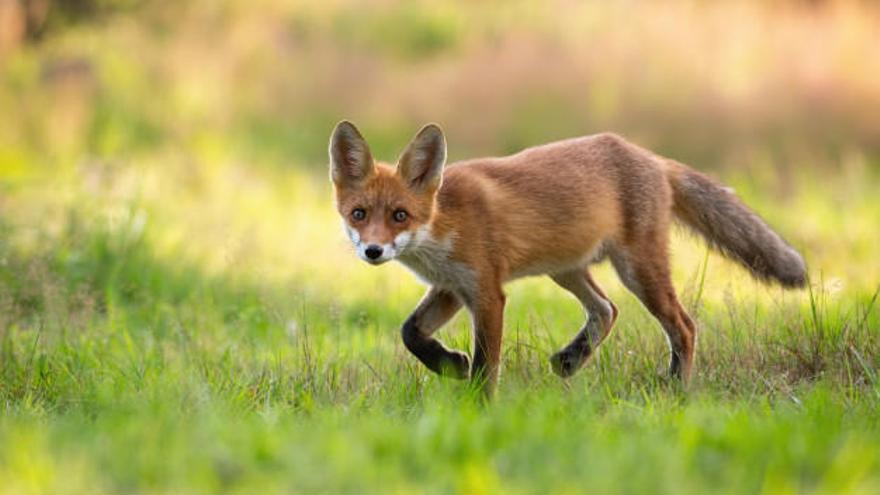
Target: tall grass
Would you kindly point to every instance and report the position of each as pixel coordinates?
(261, 364)
(180, 312)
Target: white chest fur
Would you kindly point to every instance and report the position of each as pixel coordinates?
(431, 260)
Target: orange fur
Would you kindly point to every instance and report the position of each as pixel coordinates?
(552, 209)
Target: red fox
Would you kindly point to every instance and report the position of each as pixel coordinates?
(553, 209)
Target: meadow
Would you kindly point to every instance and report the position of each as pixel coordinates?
(180, 311)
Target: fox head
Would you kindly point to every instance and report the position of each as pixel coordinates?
(383, 207)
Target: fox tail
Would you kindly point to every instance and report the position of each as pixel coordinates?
(731, 227)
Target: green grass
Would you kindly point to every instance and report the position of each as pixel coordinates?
(180, 312)
(129, 362)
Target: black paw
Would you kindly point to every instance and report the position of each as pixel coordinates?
(456, 365)
(565, 362)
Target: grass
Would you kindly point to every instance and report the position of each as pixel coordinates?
(180, 312)
(134, 359)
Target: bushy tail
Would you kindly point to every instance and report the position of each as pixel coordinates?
(732, 228)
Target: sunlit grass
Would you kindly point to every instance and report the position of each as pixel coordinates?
(216, 317)
(180, 311)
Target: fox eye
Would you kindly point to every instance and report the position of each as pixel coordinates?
(400, 215)
(359, 214)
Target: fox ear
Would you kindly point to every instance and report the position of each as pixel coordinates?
(421, 164)
(350, 159)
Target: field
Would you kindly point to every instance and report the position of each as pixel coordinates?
(180, 311)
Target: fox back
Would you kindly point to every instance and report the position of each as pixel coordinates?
(554, 209)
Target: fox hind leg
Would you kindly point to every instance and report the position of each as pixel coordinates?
(601, 315)
(645, 272)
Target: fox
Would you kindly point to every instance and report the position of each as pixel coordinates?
(556, 209)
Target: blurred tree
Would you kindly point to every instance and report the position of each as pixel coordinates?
(30, 20)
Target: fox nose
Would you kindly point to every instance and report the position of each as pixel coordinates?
(373, 251)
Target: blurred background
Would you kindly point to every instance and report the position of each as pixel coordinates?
(173, 275)
(146, 140)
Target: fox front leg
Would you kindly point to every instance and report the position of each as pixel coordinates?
(436, 308)
(488, 317)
